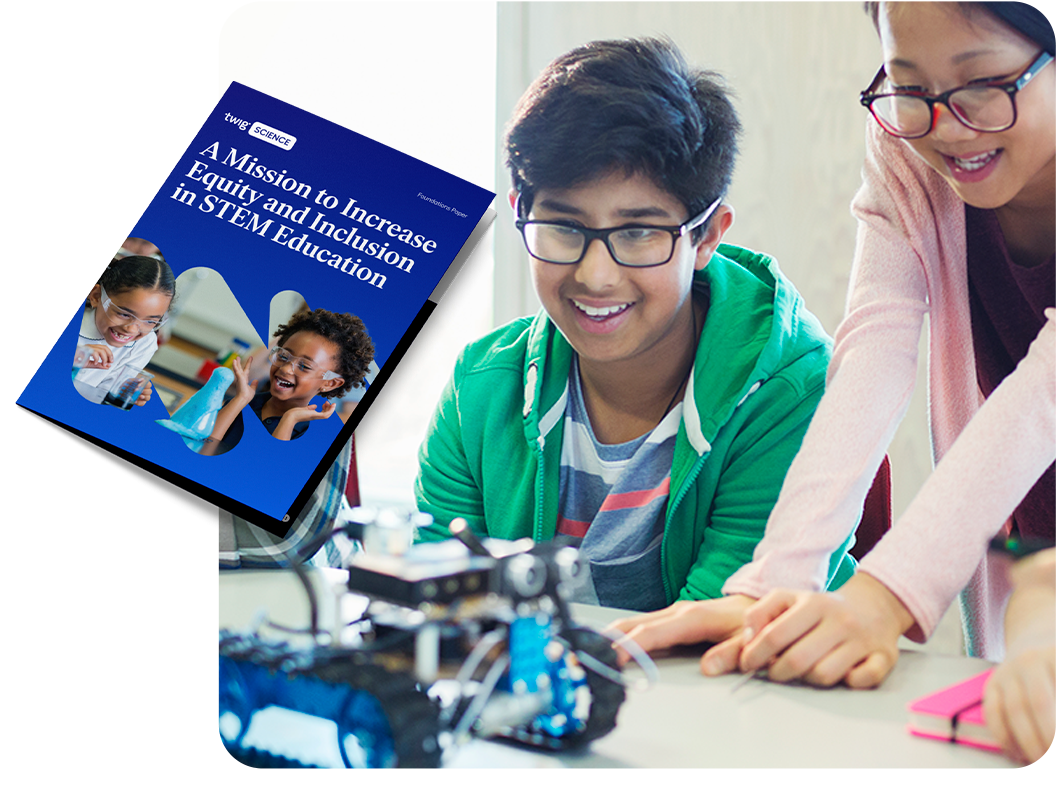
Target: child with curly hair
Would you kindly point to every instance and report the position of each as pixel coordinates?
(320, 353)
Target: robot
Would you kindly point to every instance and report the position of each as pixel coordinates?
(456, 640)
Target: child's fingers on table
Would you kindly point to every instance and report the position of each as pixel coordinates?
(785, 619)
(627, 624)
(1021, 737)
(1047, 700)
(769, 608)
(723, 657)
(871, 671)
(995, 713)
(1019, 703)
(855, 659)
(717, 619)
(684, 622)
(623, 625)
(1033, 722)
(800, 654)
(825, 668)
(657, 632)
(630, 626)
(1015, 715)
(823, 639)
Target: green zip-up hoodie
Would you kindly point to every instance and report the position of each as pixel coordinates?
(493, 448)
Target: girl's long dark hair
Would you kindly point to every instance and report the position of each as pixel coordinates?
(135, 272)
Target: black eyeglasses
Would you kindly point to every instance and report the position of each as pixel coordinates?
(631, 245)
(984, 107)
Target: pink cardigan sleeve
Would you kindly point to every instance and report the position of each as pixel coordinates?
(940, 542)
(872, 373)
(910, 260)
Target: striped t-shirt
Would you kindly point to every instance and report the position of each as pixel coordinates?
(612, 501)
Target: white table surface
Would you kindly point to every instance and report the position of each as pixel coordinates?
(687, 720)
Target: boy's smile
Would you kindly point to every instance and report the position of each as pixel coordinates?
(609, 312)
(604, 314)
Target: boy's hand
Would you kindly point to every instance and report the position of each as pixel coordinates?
(825, 638)
(102, 356)
(687, 622)
(145, 394)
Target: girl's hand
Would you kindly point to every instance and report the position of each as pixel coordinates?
(285, 428)
(1019, 702)
(302, 414)
(102, 356)
(145, 394)
(824, 638)
(244, 387)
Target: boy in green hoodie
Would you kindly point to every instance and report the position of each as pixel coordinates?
(649, 413)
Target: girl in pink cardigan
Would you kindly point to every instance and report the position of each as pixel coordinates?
(993, 428)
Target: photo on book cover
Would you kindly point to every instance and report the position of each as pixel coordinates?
(246, 323)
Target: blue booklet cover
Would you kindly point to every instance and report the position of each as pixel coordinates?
(259, 305)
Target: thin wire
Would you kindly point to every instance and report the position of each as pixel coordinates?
(470, 665)
(482, 696)
(745, 679)
(638, 654)
(606, 672)
(298, 566)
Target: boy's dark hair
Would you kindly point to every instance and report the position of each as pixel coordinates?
(632, 105)
(135, 272)
(347, 332)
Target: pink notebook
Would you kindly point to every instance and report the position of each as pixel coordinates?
(954, 714)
